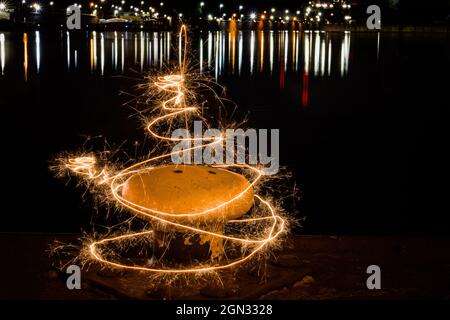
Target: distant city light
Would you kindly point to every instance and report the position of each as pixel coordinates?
(210, 17)
(2, 6)
(252, 16)
(202, 4)
(37, 7)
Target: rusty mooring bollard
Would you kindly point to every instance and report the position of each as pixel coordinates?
(184, 195)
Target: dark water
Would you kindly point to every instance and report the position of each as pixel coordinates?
(361, 118)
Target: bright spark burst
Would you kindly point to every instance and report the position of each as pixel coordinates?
(273, 225)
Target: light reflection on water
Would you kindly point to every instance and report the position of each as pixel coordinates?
(219, 52)
(2, 52)
(25, 56)
(38, 50)
(339, 147)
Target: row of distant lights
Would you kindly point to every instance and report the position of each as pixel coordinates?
(325, 6)
(330, 5)
(252, 16)
(161, 4)
(273, 10)
(287, 17)
(136, 10)
(202, 4)
(38, 7)
(35, 6)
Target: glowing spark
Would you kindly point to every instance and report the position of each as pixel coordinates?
(173, 85)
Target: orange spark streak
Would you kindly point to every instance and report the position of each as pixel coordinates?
(87, 167)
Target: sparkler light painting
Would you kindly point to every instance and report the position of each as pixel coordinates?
(216, 205)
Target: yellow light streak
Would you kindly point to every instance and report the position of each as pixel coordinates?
(86, 166)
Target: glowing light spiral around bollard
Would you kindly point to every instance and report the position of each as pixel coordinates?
(175, 106)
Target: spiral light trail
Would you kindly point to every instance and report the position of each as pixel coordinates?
(173, 85)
